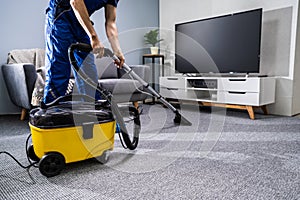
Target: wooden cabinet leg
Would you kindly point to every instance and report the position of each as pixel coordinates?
(250, 112)
(264, 109)
(23, 114)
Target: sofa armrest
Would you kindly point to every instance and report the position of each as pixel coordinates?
(142, 71)
(19, 79)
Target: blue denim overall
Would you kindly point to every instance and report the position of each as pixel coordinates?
(61, 30)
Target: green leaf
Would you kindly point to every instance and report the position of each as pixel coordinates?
(151, 37)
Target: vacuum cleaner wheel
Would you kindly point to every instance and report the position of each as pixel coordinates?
(51, 164)
(103, 159)
(31, 154)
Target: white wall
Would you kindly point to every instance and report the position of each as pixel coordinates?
(278, 39)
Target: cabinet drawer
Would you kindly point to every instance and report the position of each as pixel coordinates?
(239, 84)
(172, 93)
(242, 98)
(172, 82)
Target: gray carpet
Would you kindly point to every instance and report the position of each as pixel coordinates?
(224, 155)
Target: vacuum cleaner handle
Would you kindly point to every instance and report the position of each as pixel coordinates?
(80, 47)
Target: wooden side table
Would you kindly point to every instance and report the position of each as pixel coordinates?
(153, 57)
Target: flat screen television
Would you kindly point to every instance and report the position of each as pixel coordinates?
(224, 44)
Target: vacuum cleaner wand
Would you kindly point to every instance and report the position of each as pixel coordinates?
(179, 119)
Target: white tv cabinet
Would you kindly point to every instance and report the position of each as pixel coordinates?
(242, 92)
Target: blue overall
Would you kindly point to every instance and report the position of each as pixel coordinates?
(61, 30)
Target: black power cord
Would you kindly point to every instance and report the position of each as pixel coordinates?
(18, 162)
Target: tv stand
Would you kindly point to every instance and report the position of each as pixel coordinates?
(246, 93)
(226, 75)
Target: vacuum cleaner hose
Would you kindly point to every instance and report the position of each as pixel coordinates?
(88, 48)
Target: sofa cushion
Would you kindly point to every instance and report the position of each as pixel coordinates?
(120, 86)
(141, 70)
(106, 68)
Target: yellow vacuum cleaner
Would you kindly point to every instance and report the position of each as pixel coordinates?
(76, 127)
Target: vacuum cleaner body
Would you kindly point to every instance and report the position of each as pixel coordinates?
(70, 131)
(70, 142)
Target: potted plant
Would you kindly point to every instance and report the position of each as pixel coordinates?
(151, 38)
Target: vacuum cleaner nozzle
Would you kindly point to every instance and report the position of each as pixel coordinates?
(180, 120)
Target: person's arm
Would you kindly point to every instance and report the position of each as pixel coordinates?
(82, 16)
(112, 32)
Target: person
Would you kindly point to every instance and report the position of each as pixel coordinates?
(67, 22)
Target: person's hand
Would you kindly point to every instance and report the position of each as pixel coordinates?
(119, 63)
(98, 48)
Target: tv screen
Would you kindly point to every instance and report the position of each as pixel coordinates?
(223, 44)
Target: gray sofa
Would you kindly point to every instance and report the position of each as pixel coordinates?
(20, 75)
(20, 79)
(123, 88)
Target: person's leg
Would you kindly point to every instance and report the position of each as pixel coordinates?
(58, 38)
(87, 65)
